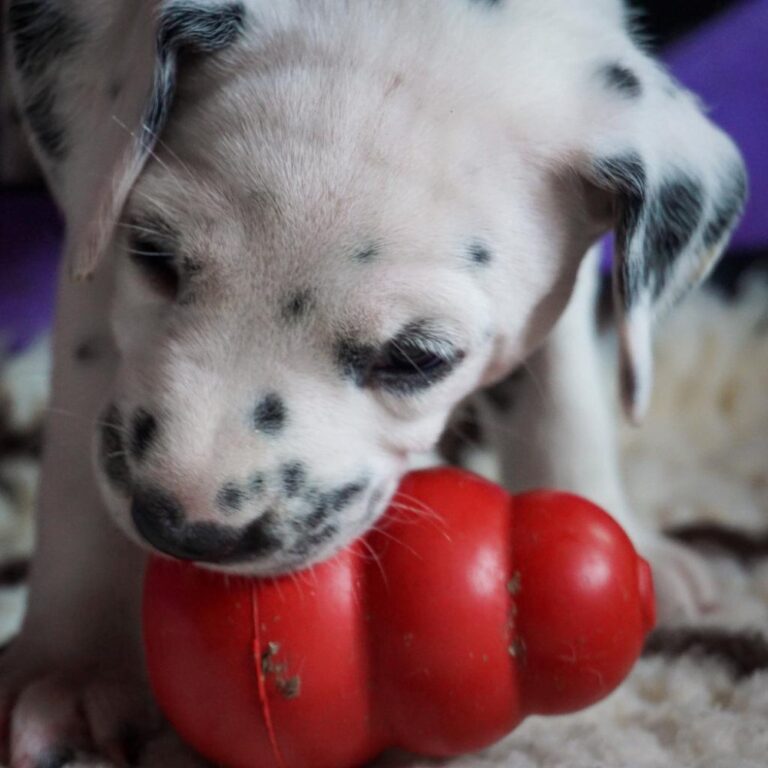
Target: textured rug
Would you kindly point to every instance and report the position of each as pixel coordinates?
(698, 468)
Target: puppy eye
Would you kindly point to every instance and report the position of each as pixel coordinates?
(407, 365)
(157, 264)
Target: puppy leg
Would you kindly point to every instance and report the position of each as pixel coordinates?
(72, 680)
(553, 425)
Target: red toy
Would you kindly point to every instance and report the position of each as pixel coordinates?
(467, 620)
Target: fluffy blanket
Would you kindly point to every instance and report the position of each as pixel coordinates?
(698, 468)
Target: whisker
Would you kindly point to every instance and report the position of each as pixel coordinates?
(376, 560)
(387, 535)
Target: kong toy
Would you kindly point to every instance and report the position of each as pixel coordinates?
(438, 634)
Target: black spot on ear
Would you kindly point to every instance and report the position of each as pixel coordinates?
(672, 221)
(355, 360)
(187, 24)
(114, 89)
(143, 432)
(191, 28)
(621, 79)
(294, 477)
(47, 128)
(297, 305)
(88, 350)
(479, 253)
(625, 176)
(112, 450)
(728, 204)
(367, 254)
(230, 497)
(41, 32)
(269, 415)
(489, 3)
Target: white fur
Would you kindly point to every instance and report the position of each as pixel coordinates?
(329, 126)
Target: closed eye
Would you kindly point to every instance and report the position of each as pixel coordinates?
(413, 361)
(157, 263)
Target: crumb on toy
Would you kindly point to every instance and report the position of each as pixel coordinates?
(289, 687)
(515, 583)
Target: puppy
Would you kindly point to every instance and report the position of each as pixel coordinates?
(298, 234)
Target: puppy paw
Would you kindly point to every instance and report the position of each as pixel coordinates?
(685, 583)
(51, 716)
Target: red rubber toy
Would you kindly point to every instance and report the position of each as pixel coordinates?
(493, 608)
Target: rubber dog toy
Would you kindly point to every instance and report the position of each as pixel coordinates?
(438, 634)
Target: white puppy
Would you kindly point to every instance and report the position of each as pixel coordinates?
(298, 234)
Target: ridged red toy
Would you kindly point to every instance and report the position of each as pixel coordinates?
(467, 619)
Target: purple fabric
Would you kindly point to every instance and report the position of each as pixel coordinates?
(30, 239)
(726, 64)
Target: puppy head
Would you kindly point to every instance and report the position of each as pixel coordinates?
(339, 237)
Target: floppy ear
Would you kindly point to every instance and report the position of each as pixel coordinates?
(121, 138)
(675, 186)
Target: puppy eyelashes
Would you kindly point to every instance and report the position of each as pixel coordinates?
(157, 263)
(413, 361)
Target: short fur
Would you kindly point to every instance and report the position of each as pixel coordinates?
(314, 227)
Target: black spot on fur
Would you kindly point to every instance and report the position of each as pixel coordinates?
(355, 360)
(47, 128)
(159, 518)
(672, 221)
(192, 28)
(269, 415)
(320, 513)
(297, 305)
(343, 496)
(112, 450)
(114, 89)
(230, 497)
(143, 433)
(88, 350)
(41, 33)
(57, 758)
(621, 79)
(322, 536)
(727, 207)
(256, 484)
(480, 254)
(257, 540)
(294, 477)
(367, 254)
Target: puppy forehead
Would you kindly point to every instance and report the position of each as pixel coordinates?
(318, 255)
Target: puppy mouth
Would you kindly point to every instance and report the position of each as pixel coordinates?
(319, 522)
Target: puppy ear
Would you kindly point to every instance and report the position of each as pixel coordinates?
(123, 136)
(674, 185)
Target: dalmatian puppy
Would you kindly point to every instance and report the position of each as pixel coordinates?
(299, 233)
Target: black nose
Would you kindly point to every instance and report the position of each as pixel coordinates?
(159, 518)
